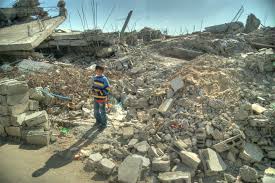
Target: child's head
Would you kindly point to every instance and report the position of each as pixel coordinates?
(99, 70)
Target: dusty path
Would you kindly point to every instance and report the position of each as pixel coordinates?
(18, 165)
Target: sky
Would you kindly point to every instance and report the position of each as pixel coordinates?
(177, 16)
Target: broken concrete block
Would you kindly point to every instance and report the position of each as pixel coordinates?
(271, 154)
(248, 174)
(5, 120)
(18, 108)
(2, 131)
(170, 177)
(166, 105)
(38, 137)
(142, 147)
(190, 159)
(258, 109)
(177, 84)
(251, 153)
(18, 119)
(129, 170)
(93, 161)
(132, 142)
(152, 152)
(252, 23)
(13, 110)
(36, 94)
(13, 87)
(95, 157)
(13, 131)
(180, 145)
(269, 175)
(33, 105)
(36, 118)
(106, 167)
(128, 132)
(184, 168)
(212, 162)
(18, 98)
(258, 122)
(145, 161)
(4, 110)
(14, 99)
(159, 165)
(227, 144)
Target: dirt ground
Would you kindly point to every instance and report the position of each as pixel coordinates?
(22, 164)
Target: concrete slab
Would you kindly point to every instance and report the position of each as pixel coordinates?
(129, 170)
(252, 153)
(28, 35)
(170, 177)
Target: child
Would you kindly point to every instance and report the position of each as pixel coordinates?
(101, 89)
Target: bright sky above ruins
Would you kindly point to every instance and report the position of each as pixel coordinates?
(175, 15)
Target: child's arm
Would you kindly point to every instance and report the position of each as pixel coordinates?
(107, 88)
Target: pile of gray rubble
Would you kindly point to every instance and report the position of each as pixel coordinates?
(20, 116)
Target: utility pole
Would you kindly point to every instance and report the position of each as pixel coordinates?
(126, 22)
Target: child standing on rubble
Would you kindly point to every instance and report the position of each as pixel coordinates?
(100, 89)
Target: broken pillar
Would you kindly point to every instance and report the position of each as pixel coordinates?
(227, 27)
(252, 23)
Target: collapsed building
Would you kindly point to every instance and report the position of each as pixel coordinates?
(191, 108)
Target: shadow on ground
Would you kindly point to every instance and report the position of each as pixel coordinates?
(65, 157)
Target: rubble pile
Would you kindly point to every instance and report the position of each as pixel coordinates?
(20, 117)
(192, 108)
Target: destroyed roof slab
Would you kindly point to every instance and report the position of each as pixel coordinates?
(28, 35)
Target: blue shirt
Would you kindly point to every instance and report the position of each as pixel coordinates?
(101, 87)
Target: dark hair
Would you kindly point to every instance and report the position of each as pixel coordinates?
(98, 67)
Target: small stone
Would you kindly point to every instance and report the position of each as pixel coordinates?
(128, 132)
(271, 154)
(177, 84)
(168, 137)
(142, 147)
(229, 178)
(248, 174)
(132, 142)
(106, 167)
